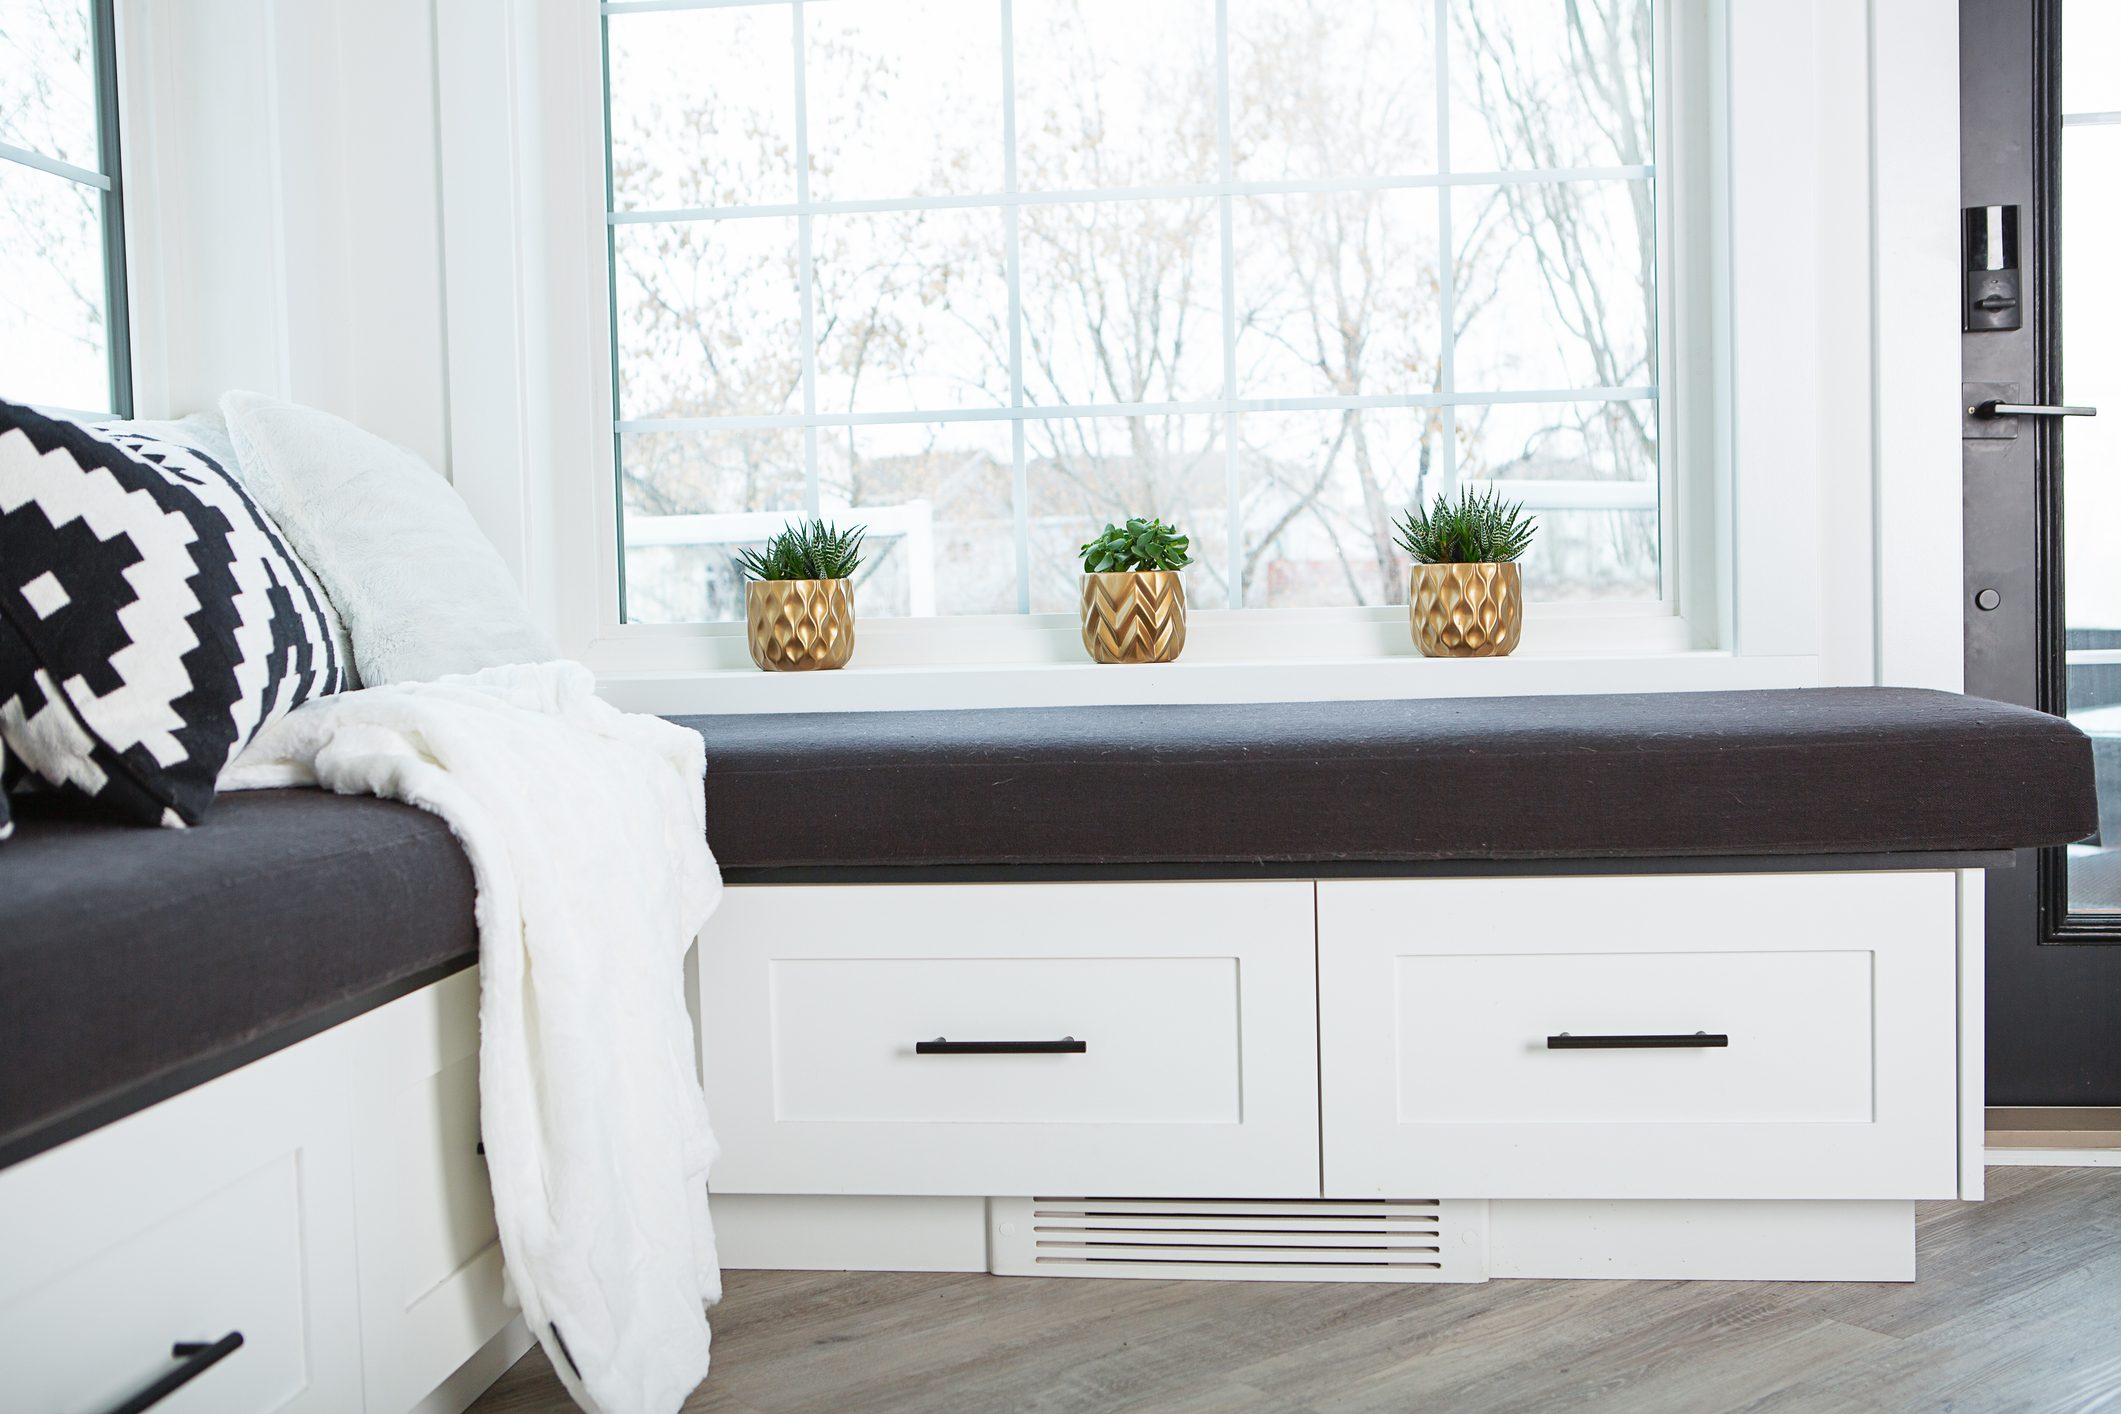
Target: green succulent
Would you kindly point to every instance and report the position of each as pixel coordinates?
(1482, 529)
(805, 551)
(1138, 545)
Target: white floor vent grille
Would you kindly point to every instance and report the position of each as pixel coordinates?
(1240, 1239)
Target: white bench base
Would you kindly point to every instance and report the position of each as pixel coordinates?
(1798, 1240)
(1314, 1055)
(328, 1201)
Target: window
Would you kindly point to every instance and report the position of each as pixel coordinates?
(62, 234)
(985, 274)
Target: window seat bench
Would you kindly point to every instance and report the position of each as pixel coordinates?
(1442, 990)
(239, 1095)
(1261, 967)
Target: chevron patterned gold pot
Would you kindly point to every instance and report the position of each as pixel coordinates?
(795, 625)
(1466, 611)
(1134, 616)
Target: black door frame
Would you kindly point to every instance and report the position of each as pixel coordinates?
(2053, 993)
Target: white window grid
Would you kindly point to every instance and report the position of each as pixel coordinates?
(1225, 190)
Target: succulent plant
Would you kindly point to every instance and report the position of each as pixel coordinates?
(805, 551)
(1481, 529)
(1138, 545)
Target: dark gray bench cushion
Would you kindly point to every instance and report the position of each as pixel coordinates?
(1832, 771)
(135, 963)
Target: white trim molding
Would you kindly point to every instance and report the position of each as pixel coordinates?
(1914, 163)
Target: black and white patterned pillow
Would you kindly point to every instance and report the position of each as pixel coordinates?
(152, 619)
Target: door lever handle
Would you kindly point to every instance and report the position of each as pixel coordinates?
(1995, 407)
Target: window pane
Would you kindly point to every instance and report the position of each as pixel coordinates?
(938, 499)
(1550, 83)
(1122, 302)
(1324, 88)
(1337, 294)
(912, 311)
(1321, 492)
(905, 97)
(48, 80)
(2091, 478)
(702, 108)
(1588, 473)
(1121, 93)
(710, 318)
(677, 490)
(1554, 285)
(53, 333)
(1087, 472)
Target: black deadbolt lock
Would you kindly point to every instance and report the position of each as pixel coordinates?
(1992, 284)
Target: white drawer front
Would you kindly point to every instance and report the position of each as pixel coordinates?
(1160, 1038)
(103, 1330)
(1474, 1037)
(227, 1208)
(1193, 1004)
(1477, 1048)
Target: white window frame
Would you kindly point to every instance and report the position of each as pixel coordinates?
(1236, 632)
(1810, 522)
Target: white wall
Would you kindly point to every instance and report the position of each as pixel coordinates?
(284, 214)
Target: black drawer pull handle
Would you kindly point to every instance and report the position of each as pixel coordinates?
(196, 1359)
(1699, 1040)
(1065, 1046)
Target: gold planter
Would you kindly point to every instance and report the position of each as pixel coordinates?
(1134, 616)
(795, 625)
(1466, 611)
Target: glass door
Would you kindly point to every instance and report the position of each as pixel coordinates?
(2040, 181)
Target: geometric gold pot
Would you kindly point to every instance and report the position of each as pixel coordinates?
(1134, 616)
(1466, 611)
(796, 625)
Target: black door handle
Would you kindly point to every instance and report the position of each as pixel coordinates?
(1994, 408)
(1700, 1039)
(1065, 1046)
(195, 1359)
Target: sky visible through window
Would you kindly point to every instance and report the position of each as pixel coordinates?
(986, 274)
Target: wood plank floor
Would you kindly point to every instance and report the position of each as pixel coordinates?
(2018, 1308)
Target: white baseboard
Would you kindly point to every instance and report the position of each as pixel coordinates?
(835, 1233)
(1706, 1241)
(1724, 1241)
(2055, 1157)
(2025, 1137)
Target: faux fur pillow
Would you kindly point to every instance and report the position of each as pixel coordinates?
(423, 593)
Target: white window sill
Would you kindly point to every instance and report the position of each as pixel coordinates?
(677, 692)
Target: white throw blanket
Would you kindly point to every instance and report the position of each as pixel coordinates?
(586, 835)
